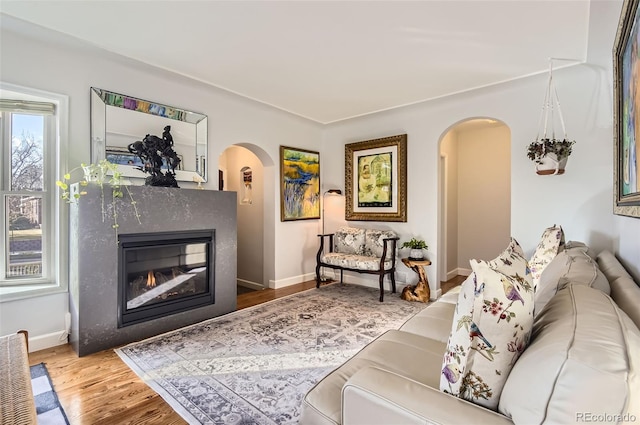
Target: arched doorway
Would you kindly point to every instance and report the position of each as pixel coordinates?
(247, 170)
(475, 194)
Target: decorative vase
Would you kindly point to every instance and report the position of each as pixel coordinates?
(416, 254)
(93, 174)
(549, 164)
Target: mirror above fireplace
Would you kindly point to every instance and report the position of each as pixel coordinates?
(118, 120)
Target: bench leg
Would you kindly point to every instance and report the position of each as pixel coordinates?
(381, 286)
(393, 282)
(317, 275)
(341, 273)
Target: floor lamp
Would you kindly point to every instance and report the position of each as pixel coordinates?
(323, 277)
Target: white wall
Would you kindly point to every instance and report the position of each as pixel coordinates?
(449, 198)
(34, 57)
(250, 215)
(484, 193)
(580, 200)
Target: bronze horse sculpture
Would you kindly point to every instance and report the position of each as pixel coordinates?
(153, 151)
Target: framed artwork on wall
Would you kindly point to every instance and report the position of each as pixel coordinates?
(626, 120)
(376, 179)
(299, 184)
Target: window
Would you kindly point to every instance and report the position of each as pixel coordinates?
(27, 190)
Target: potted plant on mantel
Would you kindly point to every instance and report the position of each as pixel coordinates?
(550, 155)
(416, 246)
(104, 172)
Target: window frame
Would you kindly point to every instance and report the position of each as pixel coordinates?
(54, 216)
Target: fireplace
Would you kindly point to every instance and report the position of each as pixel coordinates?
(160, 274)
(176, 216)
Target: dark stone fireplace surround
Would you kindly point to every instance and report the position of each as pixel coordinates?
(93, 259)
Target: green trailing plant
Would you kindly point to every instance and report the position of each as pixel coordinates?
(414, 243)
(100, 173)
(539, 148)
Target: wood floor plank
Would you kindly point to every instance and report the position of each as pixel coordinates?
(99, 389)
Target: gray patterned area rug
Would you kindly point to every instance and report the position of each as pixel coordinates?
(255, 365)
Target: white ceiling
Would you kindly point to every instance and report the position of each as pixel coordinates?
(329, 60)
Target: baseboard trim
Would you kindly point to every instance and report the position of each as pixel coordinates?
(277, 284)
(458, 272)
(464, 272)
(249, 284)
(40, 342)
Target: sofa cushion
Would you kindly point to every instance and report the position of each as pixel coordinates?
(589, 349)
(451, 296)
(497, 329)
(359, 262)
(404, 353)
(551, 243)
(624, 290)
(349, 240)
(374, 242)
(432, 322)
(571, 265)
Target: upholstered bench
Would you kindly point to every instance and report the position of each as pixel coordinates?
(369, 251)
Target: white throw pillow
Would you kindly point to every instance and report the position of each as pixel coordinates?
(459, 343)
(551, 243)
(487, 338)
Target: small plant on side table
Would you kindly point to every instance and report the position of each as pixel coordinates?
(416, 246)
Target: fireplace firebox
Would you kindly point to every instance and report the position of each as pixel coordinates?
(163, 273)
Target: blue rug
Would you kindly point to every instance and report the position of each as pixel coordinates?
(48, 406)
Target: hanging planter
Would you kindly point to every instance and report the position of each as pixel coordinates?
(550, 154)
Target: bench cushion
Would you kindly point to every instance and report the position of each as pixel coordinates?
(359, 262)
(349, 240)
(374, 242)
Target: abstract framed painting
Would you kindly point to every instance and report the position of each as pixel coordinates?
(299, 184)
(376, 179)
(626, 120)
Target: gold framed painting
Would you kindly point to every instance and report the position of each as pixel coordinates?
(626, 120)
(376, 179)
(299, 184)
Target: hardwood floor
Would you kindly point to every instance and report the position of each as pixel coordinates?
(99, 389)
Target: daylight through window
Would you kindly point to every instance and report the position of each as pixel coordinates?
(28, 142)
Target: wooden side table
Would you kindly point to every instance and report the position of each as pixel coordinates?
(421, 291)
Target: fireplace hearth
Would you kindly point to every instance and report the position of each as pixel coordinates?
(164, 273)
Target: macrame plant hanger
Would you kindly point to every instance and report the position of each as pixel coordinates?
(547, 114)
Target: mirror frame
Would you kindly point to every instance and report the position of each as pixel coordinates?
(101, 99)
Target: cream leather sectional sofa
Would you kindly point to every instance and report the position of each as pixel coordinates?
(581, 365)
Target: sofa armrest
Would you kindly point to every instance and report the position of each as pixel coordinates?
(376, 396)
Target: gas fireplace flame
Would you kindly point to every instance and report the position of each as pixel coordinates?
(151, 279)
